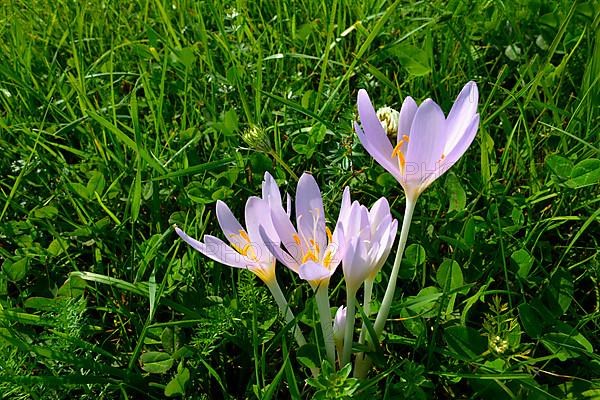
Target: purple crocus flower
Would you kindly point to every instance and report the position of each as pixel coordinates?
(312, 250)
(428, 144)
(246, 247)
(369, 236)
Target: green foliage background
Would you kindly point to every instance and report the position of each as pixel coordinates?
(119, 119)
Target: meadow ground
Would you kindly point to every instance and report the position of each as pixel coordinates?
(120, 119)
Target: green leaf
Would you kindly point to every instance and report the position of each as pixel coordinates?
(531, 320)
(81, 190)
(466, 343)
(469, 232)
(167, 337)
(137, 194)
(566, 346)
(585, 173)
(156, 362)
(186, 56)
(74, 286)
(424, 303)
(559, 165)
(230, 122)
(458, 197)
(523, 261)
(40, 303)
(45, 212)
(57, 247)
(15, 270)
(449, 275)
(560, 291)
(317, 133)
(413, 59)
(96, 183)
(177, 385)
(412, 322)
(414, 255)
(308, 355)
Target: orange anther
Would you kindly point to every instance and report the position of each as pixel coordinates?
(244, 235)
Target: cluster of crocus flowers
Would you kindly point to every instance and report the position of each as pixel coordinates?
(426, 145)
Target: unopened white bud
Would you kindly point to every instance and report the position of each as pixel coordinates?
(339, 328)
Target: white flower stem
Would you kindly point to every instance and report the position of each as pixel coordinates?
(350, 311)
(284, 308)
(368, 293)
(391, 287)
(322, 299)
(360, 363)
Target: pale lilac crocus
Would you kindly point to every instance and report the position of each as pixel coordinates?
(312, 250)
(369, 238)
(427, 144)
(246, 248)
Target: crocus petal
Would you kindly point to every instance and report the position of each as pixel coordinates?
(284, 257)
(346, 203)
(337, 247)
(461, 115)
(215, 249)
(288, 208)
(371, 124)
(264, 269)
(355, 264)
(461, 146)
(314, 272)
(426, 143)
(229, 224)
(310, 215)
(379, 211)
(407, 115)
(287, 234)
(258, 212)
(388, 238)
(373, 137)
(270, 191)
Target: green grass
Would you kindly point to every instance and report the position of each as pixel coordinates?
(119, 119)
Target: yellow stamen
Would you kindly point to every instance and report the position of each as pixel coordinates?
(244, 251)
(329, 235)
(398, 153)
(296, 239)
(237, 248)
(397, 149)
(309, 256)
(443, 156)
(244, 235)
(327, 259)
(405, 138)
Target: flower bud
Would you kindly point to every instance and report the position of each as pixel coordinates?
(339, 328)
(257, 139)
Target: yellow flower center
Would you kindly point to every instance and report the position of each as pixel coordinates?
(313, 251)
(247, 250)
(397, 152)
